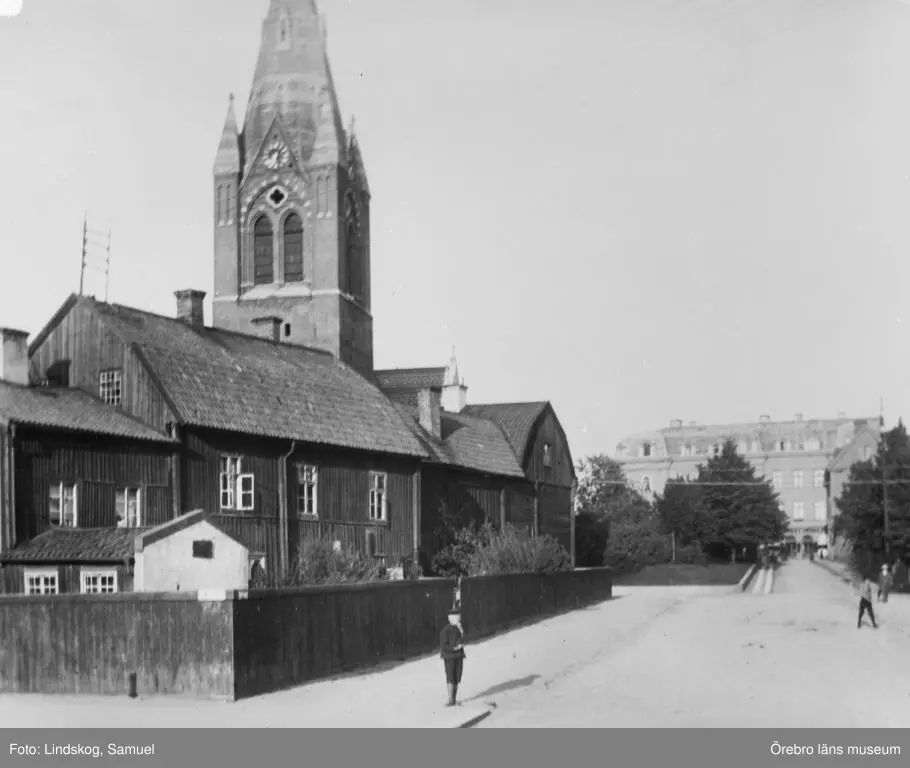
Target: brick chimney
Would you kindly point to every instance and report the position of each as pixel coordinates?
(268, 327)
(189, 307)
(764, 418)
(798, 417)
(14, 356)
(430, 417)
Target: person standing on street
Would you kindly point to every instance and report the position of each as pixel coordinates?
(865, 602)
(884, 584)
(451, 641)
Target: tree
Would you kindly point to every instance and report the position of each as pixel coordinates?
(726, 508)
(741, 509)
(605, 501)
(604, 491)
(862, 502)
(682, 513)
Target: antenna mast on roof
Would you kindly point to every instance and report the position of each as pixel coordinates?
(96, 255)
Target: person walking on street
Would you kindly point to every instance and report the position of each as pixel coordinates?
(865, 602)
(884, 584)
(451, 641)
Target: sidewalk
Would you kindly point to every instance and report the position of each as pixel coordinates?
(408, 695)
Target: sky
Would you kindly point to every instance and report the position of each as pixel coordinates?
(640, 210)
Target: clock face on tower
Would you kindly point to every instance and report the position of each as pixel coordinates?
(276, 155)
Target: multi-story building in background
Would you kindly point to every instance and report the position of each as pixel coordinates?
(793, 455)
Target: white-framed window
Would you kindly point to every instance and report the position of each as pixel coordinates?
(378, 503)
(742, 447)
(246, 493)
(307, 485)
(799, 510)
(98, 582)
(42, 581)
(646, 484)
(756, 446)
(229, 473)
(813, 444)
(798, 479)
(867, 452)
(62, 505)
(110, 386)
(777, 480)
(820, 511)
(129, 508)
(818, 478)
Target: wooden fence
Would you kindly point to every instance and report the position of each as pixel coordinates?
(256, 642)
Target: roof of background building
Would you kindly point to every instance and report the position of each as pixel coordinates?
(70, 409)
(411, 378)
(467, 442)
(231, 381)
(517, 420)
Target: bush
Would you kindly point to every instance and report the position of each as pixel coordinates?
(484, 552)
(321, 564)
(512, 551)
(691, 555)
(592, 532)
(636, 544)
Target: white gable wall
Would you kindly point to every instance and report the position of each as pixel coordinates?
(168, 565)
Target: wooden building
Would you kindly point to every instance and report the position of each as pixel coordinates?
(277, 442)
(497, 463)
(77, 479)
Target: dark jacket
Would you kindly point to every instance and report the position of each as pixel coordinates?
(449, 639)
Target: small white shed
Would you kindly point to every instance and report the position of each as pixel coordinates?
(189, 554)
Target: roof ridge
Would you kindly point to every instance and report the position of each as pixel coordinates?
(214, 329)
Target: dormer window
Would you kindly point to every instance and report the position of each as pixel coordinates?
(110, 386)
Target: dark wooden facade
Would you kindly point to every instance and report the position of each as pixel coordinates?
(79, 342)
(12, 575)
(97, 466)
(343, 496)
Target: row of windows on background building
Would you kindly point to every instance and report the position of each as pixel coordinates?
(238, 490)
(777, 480)
(646, 450)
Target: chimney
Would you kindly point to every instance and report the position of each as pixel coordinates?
(429, 416)
(676, 424)
(454, 392)
(798, 417)
(14, 356)
(268, 327)
(764, 418)
(189, 307)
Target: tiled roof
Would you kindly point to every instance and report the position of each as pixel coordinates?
(467, 442)
(230, 381)
(70, 409)
(76, 545)
(411, 378)
(516, 420)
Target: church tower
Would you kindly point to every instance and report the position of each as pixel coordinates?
(292, 204)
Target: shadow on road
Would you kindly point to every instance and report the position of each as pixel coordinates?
(511, 685)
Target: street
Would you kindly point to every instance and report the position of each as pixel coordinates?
(650, 657)
(793, 658)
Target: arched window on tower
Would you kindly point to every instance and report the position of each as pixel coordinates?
(263, 248)
(293, 249)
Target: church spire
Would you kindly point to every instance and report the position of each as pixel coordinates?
(454, 391)
(227, 159)
(293, 81)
